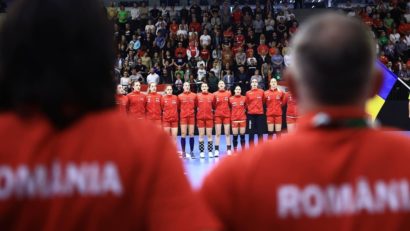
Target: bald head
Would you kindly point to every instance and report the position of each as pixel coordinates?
(333, 59)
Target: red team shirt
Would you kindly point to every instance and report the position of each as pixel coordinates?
(238, 104)
(122, 103)
(154, 106)
(316, 179)
(137, 102)
(205, 55)
(291, 102)
(103, 173)
(169, 105)
(205, 103)
(274, 101)
(222, 104)
(187, 102)
(254, 101)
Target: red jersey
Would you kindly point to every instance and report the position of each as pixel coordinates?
(235, 48)
(238, 107)
(240, 39)
(324, 179)
(196, 26)
(102, 173)
(404, 28)
(274, 101)
(222, 103)
(173, 28)
(154, 106)
(291, 102)
(254, 101)
(137, 102)
(181, 50)
(237, 16)
(169, 105)
(193, 50)
(205, 55)
(205, 103)
(122, 103)
(187, 104)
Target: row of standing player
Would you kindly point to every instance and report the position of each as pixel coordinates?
(219, 109)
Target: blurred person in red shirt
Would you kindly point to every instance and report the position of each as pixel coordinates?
(336, 171)
(254, 107)
(69, 159)
(187, 104)
(238, 117)
(222, 117)
(137, 102)
(274, 101)
(169, 105)
(205, 119)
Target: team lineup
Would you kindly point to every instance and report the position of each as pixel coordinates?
(220, 110)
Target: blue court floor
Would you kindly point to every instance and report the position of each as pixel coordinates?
(197, 169)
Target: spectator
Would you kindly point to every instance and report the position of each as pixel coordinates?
(153, 77)
(122, 17)
(216, 68)
(125, 81)
(184, 13)
(150, 28)
(205, 39)
(160, 39)
(240, 57)
(277, 61)
(394, 36)
(215, 20)
(217, 53)
(195, 26)
(146, 60)
(229, 80)
(178, 85)
(111, 12)
(201, 73)
(227, 55)
(259, 79)
(212, 81)
(242, 79)
(155, 13)
(135, 16)
(258, 25)
(144, 13)
(206, 23)
(269, 24)
(192, 51)
(136, 76)
(167, 77)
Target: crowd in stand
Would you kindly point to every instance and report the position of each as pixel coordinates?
(390, 24)
(233, 43)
